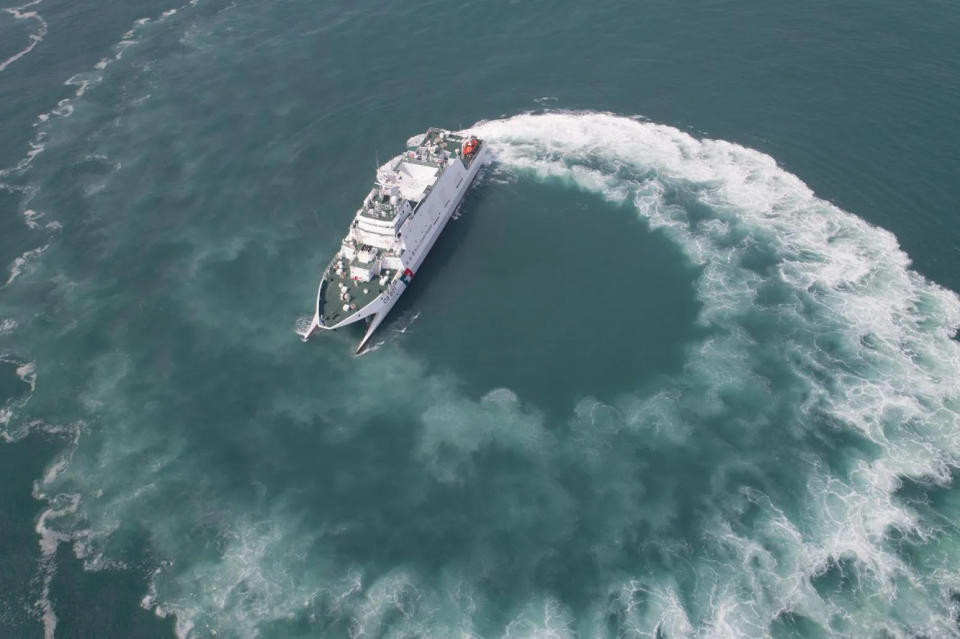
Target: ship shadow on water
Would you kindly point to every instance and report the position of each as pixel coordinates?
(451, 241)
(548, 291)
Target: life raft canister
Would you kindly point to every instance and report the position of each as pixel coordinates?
(470, 146)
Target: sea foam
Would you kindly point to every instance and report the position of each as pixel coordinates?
(871, 339)
(716, 503)
(35, 38)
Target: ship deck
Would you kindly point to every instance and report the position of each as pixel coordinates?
(331, 306)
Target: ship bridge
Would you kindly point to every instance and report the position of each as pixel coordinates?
(414, 173)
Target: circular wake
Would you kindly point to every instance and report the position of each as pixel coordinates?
(820, 331)
(763, 490)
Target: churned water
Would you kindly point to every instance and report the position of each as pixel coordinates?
(685, 364)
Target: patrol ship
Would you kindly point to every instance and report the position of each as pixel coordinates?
(413, 197)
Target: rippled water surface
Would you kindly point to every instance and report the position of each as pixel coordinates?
(685, 364)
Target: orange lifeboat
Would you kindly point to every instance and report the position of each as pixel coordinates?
(470, 146)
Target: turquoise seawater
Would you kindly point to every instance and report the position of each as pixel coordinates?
(684, 365)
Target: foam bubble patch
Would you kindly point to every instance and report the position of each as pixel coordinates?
(759, 488)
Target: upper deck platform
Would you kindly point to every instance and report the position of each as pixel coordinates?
(342, 296)
(418, 168)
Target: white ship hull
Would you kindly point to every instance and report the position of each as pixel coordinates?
(416, 235)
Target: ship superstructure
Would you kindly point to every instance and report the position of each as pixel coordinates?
(401, 217)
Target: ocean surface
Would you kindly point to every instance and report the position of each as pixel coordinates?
(684, 365)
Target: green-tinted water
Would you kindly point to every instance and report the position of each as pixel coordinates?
(649, 383)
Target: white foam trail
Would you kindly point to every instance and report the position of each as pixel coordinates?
(26, 372)
(59, 506)
(36, 148)
(304, 326)
(855, 277)
(30, 218)
(35, 38)
(456, 428)
(64, 109)
(83, 81)
(20, 262)
(547, 620)
(62, 507)
(407, 321)
(28, 375)
(867, 339)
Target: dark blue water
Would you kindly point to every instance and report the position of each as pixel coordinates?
(685, 364)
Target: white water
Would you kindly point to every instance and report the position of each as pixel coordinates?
(894, 326)
(870, 341)
(35, 38)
